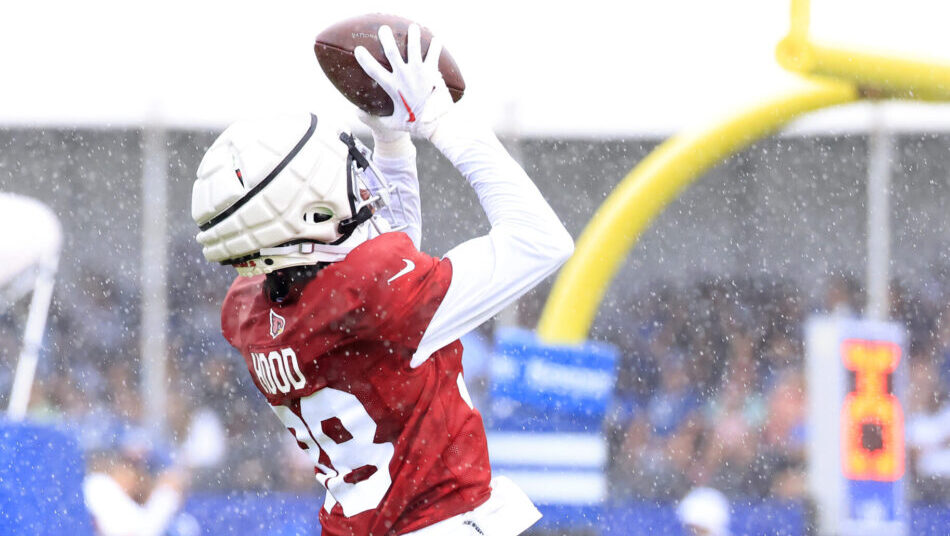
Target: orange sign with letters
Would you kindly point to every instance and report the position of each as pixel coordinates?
(872, 420)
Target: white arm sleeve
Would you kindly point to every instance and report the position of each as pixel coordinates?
(397, 161)
(527, 241)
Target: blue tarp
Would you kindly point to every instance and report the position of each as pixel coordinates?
(256, 513)
(284, 514)
(41, 472)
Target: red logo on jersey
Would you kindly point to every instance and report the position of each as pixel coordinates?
(277, 324)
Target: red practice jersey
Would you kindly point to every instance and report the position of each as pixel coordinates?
(398, 448)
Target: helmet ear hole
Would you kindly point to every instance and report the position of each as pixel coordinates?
(317, 215)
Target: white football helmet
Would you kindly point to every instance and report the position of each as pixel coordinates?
(286, 191)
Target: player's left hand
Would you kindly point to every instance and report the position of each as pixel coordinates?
(420, 96)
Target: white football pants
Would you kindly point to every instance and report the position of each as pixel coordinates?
(507, 512)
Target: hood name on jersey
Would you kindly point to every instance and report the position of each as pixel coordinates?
(278, 371)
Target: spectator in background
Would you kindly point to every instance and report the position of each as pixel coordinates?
(124, 500)
(779, 356)
(704, 512)
(938, 352)
(651, 466)
(102, 317)
(785, 421)
(781, 466)
(928, 430)
(675, 397)
(842, 296)
(733, 421)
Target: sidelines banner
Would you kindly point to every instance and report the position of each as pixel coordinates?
(541, 387)
(856, 449)
(552, 468)
(547, 408)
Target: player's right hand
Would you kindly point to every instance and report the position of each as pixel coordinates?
(381, 131)
(420, 96)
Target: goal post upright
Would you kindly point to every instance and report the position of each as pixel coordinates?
(831, 75)
(650, 186)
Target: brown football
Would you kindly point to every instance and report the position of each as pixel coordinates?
(334, 49)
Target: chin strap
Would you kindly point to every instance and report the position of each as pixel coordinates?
(301, 253)
(307, 248)
(349, 225)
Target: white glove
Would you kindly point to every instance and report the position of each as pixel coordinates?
(416, 87)
(381, 132)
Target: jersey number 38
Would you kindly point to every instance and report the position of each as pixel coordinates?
(355, 469)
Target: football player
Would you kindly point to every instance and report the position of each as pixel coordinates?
(348, 330)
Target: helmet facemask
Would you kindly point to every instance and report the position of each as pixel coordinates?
(362, 173)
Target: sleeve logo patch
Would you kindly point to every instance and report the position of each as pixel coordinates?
(277, 324)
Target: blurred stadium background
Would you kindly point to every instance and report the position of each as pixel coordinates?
(697, 369)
